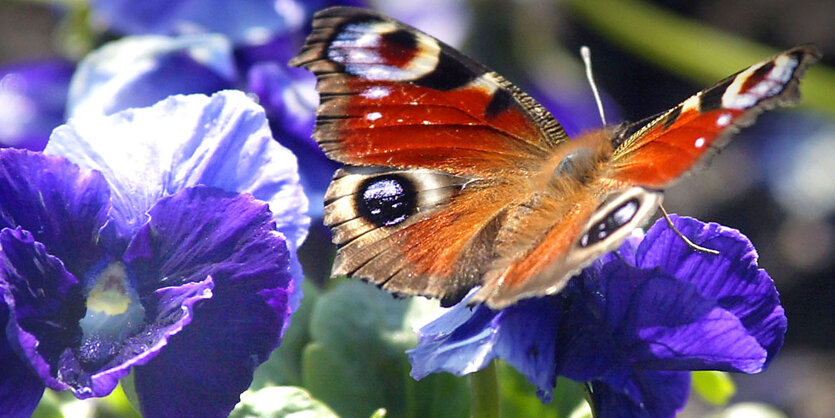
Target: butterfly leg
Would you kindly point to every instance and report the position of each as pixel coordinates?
(686, 240)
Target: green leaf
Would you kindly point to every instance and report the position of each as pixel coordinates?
(280, 401)
(715, 387)
(118, 403)
(129, 390)
(284, 367)
(49, 406)
(356, 362)
(484, 385)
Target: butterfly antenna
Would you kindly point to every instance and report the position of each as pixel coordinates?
(686, 240)
(585, 52)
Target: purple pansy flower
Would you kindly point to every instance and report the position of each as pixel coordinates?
(157, 241)
(33, 96)
(249, 50)
(631, 325)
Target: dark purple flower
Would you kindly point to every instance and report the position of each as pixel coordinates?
(631, 325)
(32, 101)
(136, 243)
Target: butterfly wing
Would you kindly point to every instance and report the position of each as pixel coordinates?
(439, 144)
(644, 159)
(656, 154)
(456, 178)
(393, 96)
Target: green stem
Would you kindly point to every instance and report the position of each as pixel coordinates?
(485, 392)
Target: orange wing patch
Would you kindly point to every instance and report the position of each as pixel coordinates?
(665, 153)
(407, 126)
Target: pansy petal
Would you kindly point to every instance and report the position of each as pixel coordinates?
(221, 141)
(665, 394)
(33, 97)
(142, 70)
(732, 278)
(60, 204)
(249, 21)
(95, 367)
(588, 350)
(460, 341)
(659, 322)
(530, 332)
(20, 388)
(463, 341)
(289, 98)
(45, 303)
(202, 232)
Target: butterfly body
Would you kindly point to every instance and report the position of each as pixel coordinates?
(455, 178)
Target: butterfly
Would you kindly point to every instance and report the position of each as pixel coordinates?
(454, 178)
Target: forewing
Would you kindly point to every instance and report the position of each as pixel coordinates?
(394, 96)
(663, 150)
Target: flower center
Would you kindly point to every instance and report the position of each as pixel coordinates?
(114, 313)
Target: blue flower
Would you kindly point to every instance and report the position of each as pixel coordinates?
(209, 55)
(33, 96)
(631, 325)
(250, 21)
(157, 241)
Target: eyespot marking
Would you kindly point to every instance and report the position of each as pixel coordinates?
(378, 50)
(386, 200)
(619, 217)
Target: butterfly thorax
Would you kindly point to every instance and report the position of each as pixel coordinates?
(578, 163)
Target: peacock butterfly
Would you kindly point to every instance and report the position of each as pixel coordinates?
(455, 178)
